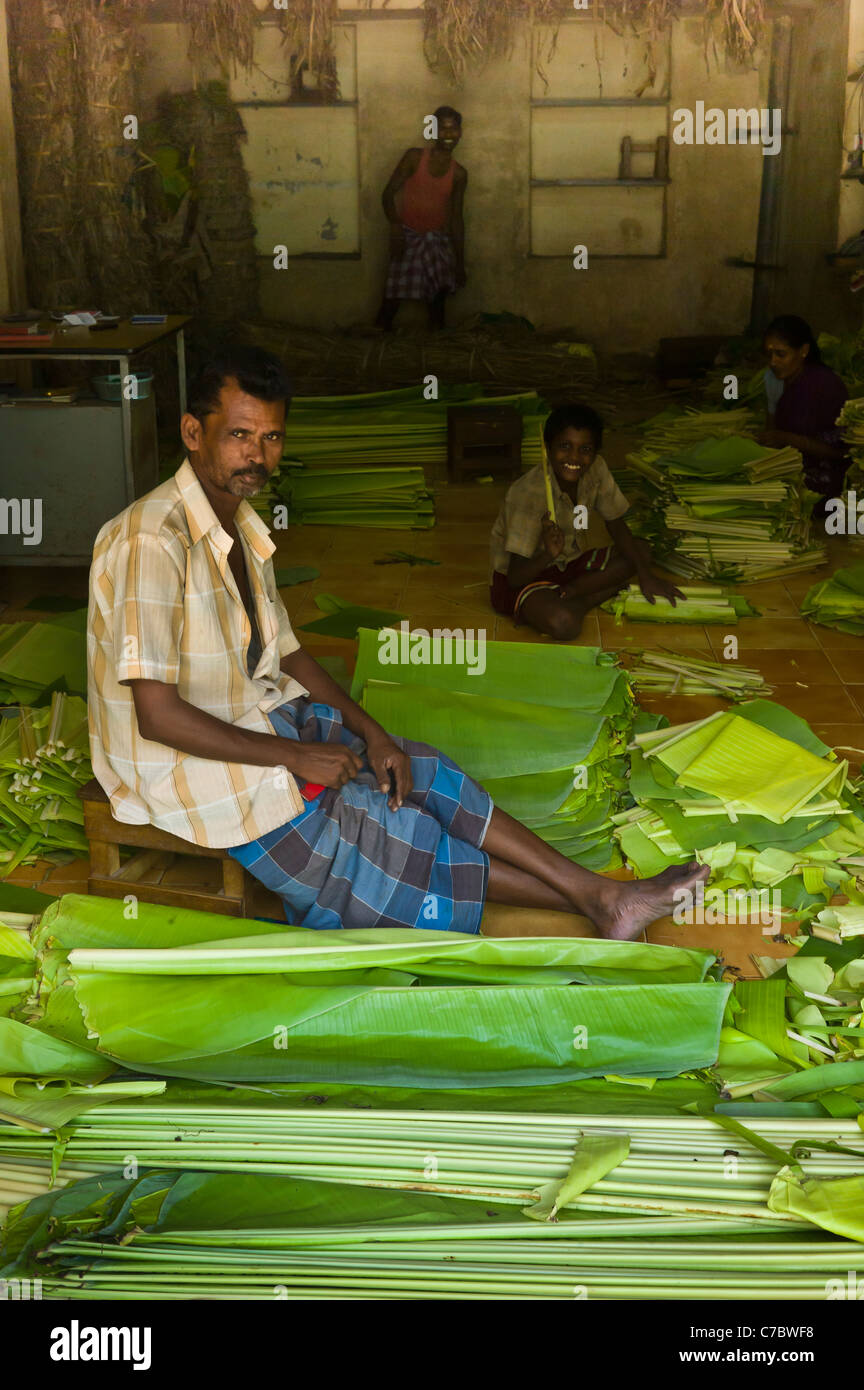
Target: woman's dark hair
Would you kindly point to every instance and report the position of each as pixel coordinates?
(257, 372)
(573, 417)
(441, 113)
(796, 332)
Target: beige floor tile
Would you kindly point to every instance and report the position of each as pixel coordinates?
(683, 709)
(764, 634)
(795, 668)
(771, 599)
(830, 639)
(849, 665)
(818, 702)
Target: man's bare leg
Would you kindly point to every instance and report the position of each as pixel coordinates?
(516, 888)
(619, 910)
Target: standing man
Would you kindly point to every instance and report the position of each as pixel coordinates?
(423, 201)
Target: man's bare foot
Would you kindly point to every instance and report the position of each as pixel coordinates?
(634, 906)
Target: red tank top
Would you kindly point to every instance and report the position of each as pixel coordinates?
(425, 198)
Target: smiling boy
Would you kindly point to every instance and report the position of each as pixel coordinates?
(545, 572)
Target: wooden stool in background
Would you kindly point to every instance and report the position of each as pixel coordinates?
(483, 439)
(158, 851)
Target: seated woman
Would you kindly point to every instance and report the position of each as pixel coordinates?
(805, 415)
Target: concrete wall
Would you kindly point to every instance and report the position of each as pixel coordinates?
(621, 304)
(712, 202)
(814, 201)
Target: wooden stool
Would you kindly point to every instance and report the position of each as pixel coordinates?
(483, 439)
(158, 851)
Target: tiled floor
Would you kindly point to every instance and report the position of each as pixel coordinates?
(817, 672)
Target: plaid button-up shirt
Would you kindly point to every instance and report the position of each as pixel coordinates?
(164, 606)
(517, 530)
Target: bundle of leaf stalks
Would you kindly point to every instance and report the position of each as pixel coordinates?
(373, 431)
(753, 793)
(44, 761)
(704, 604)
(720, 506)
(673, 673)
(377, 497)
(684, 1209)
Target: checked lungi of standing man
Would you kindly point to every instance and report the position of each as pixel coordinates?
(210, 721)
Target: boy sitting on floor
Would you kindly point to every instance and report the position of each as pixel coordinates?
(543, 571)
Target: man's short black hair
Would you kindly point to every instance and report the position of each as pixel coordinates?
(573, 417)
(257, 372)
(443, 113)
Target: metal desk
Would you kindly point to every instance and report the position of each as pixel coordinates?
(119, 345)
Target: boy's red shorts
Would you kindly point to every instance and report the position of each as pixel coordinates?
(509, 601)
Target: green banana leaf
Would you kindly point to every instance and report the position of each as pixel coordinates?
(781, 779)
(583, 678)
(595, 1156)
(513, 960)
(344, 619)
(295, 574)
(260, 1028)
(834, 1204)
(91, 922)
(488, 738)
(26, 1051)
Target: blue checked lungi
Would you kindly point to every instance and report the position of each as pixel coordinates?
(427, 267)
(349, 861)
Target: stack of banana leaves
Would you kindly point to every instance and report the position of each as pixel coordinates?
(38, 658)
(388, 1121)
(405, 428)
(757, 796)
(551, 753)
(838, 602)
(44, 761)
(390, 497)
(724, 507)
(851, 422)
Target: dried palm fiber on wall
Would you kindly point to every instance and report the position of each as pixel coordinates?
(307, 27)
(209, 122)
(44, 100)
(119, 253)
(742, 26)
(502, 359)
(461, 34)
(220, 30)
